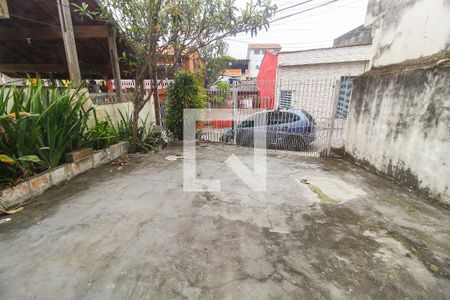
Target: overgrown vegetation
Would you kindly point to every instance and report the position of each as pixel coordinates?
(185, 92)
(39, 125)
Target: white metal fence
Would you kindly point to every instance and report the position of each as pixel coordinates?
(307, 116)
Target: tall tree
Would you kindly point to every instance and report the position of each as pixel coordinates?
(161, 32)
(214, 60)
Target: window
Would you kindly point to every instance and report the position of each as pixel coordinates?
(257, 67)
(285, 98)
(256, 51)
(263, 51)
(281, 117)
(344, 96)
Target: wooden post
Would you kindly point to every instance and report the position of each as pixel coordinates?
(115, 62)
(65, 19)
(4, 13)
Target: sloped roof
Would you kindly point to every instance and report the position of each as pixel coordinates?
(325, 55)
(264, 46)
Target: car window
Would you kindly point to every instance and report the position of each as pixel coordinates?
(248, 123)
(281, 117)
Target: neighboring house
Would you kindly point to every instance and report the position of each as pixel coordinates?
(266, 79)
(306, 77)
(255, 54)
(237, 70)
(399, 115)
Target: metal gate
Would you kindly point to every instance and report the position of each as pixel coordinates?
(306, 116)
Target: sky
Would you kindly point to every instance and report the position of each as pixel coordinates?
(312, 29)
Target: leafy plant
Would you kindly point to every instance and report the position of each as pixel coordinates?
(36, 121)
(185, 92)
(13, 169)
(102, 134)
(222, 92)
(149, 137)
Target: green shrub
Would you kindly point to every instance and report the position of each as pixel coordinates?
(149, 137)
(101, 134)
(185, 92)
(39, 122)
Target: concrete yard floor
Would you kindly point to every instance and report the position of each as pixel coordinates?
(324, 229)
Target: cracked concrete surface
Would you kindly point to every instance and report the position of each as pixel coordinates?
(134, 234)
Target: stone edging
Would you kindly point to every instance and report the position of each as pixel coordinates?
(36, 185)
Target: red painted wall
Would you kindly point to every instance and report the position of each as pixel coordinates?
(265, 81)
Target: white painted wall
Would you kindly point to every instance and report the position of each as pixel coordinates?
(254, 61)
(402, 122)
(408, 29)
(312, 75)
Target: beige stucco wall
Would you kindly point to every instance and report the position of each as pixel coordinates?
(408, 29)
(126, 107)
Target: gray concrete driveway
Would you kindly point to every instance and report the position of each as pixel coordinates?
(324, 229)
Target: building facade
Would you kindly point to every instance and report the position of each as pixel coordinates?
(255, 55)
(305, 76)
(237, 70)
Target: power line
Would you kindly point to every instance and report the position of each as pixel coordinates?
(340, 6)
(305, 10)
(294, 5)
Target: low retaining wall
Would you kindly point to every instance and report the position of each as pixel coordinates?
(36, 185)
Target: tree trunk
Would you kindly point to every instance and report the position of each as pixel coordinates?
(139, 96)
(135, 128)
(157, 108)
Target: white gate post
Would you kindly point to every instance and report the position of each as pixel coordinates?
(234, 95)
(334, 100)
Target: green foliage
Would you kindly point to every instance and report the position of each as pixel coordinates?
(101, 134)
(39, 122)
(214, 61)
(185, 92)
(222, 92)
(149, 137)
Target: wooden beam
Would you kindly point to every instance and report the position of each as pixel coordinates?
(4, 13)
(115, 62)
(50, 68)
(69, 41)
(48, 33)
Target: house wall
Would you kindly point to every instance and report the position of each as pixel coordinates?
(399, 119)
(312, 75)
(254, 61)
(408, 29)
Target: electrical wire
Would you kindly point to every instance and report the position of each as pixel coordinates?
(294, 5)
(305, 10)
